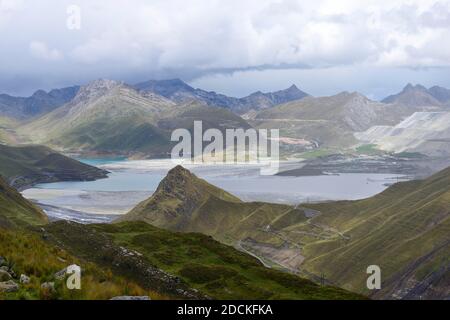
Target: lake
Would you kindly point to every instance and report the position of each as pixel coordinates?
(131, 182)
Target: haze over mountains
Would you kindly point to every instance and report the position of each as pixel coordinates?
(39, 103)
(180, 92)
(419, 96)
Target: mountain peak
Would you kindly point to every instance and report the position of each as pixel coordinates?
(175, 200)
(416, 96)
(102, 84)
(95, 89)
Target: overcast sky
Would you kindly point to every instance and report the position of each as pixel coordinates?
(235, 47)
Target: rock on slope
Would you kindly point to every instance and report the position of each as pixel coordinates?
(329, 121)
(424, 132)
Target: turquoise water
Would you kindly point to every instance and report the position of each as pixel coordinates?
(116, 181)
(101, 161)
(131, 182)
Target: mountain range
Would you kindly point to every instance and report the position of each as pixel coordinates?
(180, 92)
(39, 103)
(329, 122)
(420, 96)
(111, 117)
(404, 230)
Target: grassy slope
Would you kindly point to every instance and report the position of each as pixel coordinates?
(88, 123)
(183, 202)
(123, 121)
(26, 165)
(16, 211)
(217, 270)
(28, 254)
(405, 229)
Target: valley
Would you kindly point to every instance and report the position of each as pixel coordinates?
(92, 166)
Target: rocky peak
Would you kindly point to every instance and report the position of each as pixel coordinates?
(409, 87)
(96, 89)
(177, 182)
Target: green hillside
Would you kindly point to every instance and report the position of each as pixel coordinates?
(135, 258)
(16, 211)
(23, 166)
(197, 261)
(184, 202)
(405, 230)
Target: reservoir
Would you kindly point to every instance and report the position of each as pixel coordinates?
(131, 182)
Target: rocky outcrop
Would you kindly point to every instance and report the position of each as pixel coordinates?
(9, 286)
(4, 276)
(85, 242)
(24, 279)
(131, 298)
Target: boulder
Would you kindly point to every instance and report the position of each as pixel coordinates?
(60, 275)
(48, 286)
(9, 286)
(24, 279)
(4, 276)
(132, 298)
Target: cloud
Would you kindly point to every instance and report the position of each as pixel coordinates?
(41, 51)
(194, 37)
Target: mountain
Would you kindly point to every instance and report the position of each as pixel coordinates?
(441, 94)
(423, 132)
(23, 166)
(419, 96)
(16, 211)
(329, 122)
(404, 230)
(111, 117)
(133, 259)
(180, 92)
(39, 103)
(184, 202)
(180, 265)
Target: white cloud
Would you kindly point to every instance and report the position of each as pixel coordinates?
(40, 50)
(186, 37)
(235, 34)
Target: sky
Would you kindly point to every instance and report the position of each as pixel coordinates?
(230, 46)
